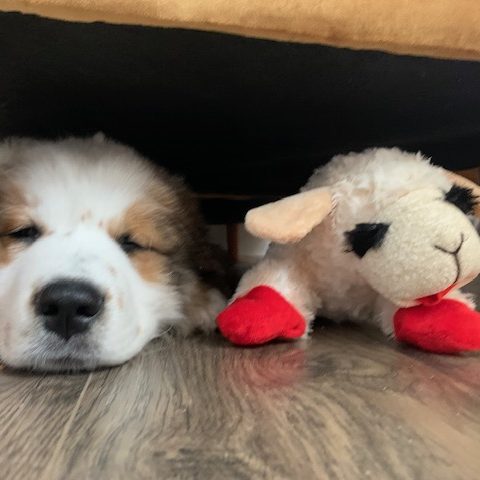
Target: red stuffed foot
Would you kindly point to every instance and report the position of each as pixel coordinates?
(447, 327)
(260, 316)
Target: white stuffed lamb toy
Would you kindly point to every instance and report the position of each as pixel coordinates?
(380, 236)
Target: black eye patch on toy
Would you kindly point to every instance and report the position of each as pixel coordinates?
(463, 198)
(366, 236)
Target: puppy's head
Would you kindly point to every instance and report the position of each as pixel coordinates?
(93, 242)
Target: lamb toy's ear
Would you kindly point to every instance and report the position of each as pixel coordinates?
(468, 184)
(290, 219)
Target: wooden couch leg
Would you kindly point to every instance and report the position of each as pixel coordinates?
(472, 174)
(232, 241)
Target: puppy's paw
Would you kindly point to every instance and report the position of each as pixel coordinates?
(260, 316)
(449, 326)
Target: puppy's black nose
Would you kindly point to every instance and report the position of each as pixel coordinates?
(68, 307)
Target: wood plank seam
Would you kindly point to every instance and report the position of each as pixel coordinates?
(47, 472)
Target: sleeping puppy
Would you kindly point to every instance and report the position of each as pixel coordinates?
(100, 252)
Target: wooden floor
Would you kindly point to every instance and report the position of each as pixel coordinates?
(346, 405)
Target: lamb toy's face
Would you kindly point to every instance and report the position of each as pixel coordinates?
(419, 247)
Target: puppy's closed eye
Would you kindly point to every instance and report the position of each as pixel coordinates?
(24, 234)
(129, 245)
(366, 236)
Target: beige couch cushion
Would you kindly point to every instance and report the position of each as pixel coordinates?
(437, 28)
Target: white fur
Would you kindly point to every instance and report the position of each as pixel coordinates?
(319, 277)
(62, 181)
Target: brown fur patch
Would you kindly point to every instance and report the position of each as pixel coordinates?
(14, 214)
(151, 266)
(5, 255)
(149, 222)
(168, 221)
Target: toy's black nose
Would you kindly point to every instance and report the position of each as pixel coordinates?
(68, 307)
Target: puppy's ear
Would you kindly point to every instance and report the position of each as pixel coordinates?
(290, 219)
(471, 189)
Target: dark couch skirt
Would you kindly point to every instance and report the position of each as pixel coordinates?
(235, 116)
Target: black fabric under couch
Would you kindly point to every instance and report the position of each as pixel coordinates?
(244, 120)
